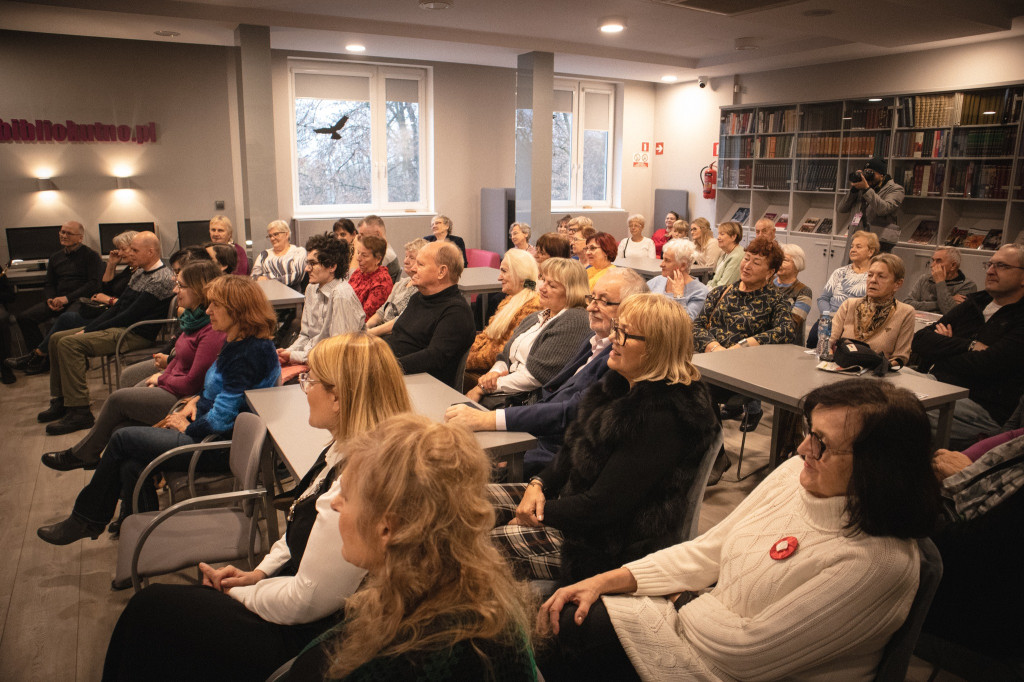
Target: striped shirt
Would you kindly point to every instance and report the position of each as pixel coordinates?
(330, 309)
(286, 268)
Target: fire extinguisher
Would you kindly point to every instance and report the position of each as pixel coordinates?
(709, 176)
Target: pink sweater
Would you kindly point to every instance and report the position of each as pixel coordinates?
(194, 352)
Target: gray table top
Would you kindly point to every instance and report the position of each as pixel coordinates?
(286, 413)
(479, 280)
(648, 267)
(280, 294)
(783, 374)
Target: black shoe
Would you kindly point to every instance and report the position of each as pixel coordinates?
(731, 412)
(721, 465)
(71, 529)
(7, 375)
(65, 460)
(39, 364)
(115, 526)
(76, 419)
(20, 362)
(750, 421)
(123, 584)
(55, 411)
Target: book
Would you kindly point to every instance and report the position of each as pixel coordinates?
(975, 238)
(925, 232)
(810, 224)
(782, 222)
(956, 237)
(769, 216)
(741, 215)
(825, 227)
(993, 239)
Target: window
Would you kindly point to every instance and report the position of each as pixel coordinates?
(359, 142)
(581, 155)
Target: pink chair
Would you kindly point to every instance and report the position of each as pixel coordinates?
(478, 258)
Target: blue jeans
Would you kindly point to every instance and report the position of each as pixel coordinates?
(68, 320)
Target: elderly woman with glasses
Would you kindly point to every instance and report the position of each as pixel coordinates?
(617, 489)
(807, 578)
(283, 261)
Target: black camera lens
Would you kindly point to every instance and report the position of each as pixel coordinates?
(855, 176)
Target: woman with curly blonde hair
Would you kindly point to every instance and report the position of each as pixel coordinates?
(438, 599)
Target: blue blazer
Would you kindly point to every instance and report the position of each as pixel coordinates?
(548, 418)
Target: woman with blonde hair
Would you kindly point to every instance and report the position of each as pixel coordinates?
(518, 275)
(283, 261)
(708, 250)
(382, 321)
(253, 621)
(847, 281)
(618, 487)
(544, 341)
(221, 232)
(439, 601)
(727, 269)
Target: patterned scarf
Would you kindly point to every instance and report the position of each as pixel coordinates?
(872, 315)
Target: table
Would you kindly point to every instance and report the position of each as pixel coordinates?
(282, 296)
(481, 281)
(648, 267)
(783, 374)
(922, 319)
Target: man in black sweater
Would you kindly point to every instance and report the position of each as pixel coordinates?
(71, 273)
(147, 297)
(978, 345)
(436, 329)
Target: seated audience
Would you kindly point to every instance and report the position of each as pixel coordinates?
(225, 256)
(519, 233)
(787, 281)
(878, 319)
(636, 245)
(441, 230)
(663, 234)
(978, 344)
(113, 282)
(675, 281)
(703, 238)
(727, 269)
(809, 576)
(345, 230)
(680, 230)
(617, 489)
(238, 308)
(221, 232)
(578, 242)
(331, 306)
(765, 227)
(436, 329)
(283, 261)
(518, 275)
(600, 254)
(542, 342)
(147, 298)
(438, 601)
(381, 322)
(552, 245)
(374, 225)
(847, 281)
(72, 272)
(371, 281)
(944, 286)
(253, 621)
(562, 226)
(550, 416)
(195, 350)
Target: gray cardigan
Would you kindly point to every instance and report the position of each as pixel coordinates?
(935, 299)
(556, 344)
(879, 207)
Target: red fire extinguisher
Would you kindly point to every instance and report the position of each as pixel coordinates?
(709, 176)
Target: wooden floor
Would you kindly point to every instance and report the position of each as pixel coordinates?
(56, 606)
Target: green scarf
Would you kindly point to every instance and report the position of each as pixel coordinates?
(193, 319)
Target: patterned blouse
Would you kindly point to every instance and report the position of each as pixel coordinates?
(287, 268)
(843, 284)
(372, 289)
(731, 315)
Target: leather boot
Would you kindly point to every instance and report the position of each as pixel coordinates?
(75, 419)
(65, 460)
(55, 411)
(39, 364)
(71, 529)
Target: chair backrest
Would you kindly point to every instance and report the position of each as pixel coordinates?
(897, 653)
(460, 373)
(695, 495)
(246, 446)
(478, 258)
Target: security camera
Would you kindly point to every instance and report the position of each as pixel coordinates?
(702, 81)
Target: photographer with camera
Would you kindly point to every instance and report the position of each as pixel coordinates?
(876, 197)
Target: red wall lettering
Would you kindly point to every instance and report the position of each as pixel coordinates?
(20, 130)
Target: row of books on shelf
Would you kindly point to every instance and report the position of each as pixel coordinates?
(816, 177)
(736, 177)
(737, 147)
(1005, 106)
(816, 225)
(979, 180)
(774, 147)
(868, 117)
(875, 144)
(984, 142)
(960, 108)
(923, 111)
(771, 176)
(825, 117)
(924, 179)
(922, 143)
(738, 123)
(777, 120)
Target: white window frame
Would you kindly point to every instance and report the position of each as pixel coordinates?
(579, 88)
(378, 73)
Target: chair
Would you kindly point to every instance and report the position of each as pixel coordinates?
(897, 653)
(966, 663)
(460, 372)
(211, 528)
(123, 358)
(478, 258)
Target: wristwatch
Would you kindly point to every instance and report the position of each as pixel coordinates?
(538, 480)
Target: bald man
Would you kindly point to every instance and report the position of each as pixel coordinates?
(764, 228)
(71, 273)
(147, 297)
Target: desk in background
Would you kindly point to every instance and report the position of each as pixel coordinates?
(282, 296)
(481, 281)
(651, 267)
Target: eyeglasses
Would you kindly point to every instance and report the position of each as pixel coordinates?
(818, 446)
(312, 263)
(306, 382)
(275, 234)
(1001, 267)
(601, 302)
(619, 335)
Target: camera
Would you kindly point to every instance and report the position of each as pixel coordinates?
(702, 81)
(869, 175)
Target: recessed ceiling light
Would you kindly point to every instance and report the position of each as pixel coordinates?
(818, 12)
(436, 4)
(355, 47)
(669, 79)
(874, 99)
(613, 24)
(988, 113)
(744, 44)
(167, 34)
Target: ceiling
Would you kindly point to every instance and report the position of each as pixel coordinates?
(662, 37)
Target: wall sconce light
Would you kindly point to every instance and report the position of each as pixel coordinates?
(612, 24)
(124, 183)
(45, 184)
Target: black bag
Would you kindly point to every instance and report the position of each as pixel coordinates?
(854, 353)
(90, 309)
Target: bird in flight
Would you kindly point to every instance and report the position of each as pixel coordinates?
(333, 130)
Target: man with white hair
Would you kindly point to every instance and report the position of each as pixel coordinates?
(374, 225)
(944, 287)
(765, 227)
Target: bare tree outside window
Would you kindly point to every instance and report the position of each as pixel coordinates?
(333, 172)
(561, 156)
(403, 133)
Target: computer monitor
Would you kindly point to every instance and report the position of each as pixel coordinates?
(193, 232)
(110, 230)
(32, 243)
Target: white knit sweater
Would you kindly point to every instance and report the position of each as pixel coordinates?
(826, 612)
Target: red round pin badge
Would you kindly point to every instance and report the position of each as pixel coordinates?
(783, 548)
